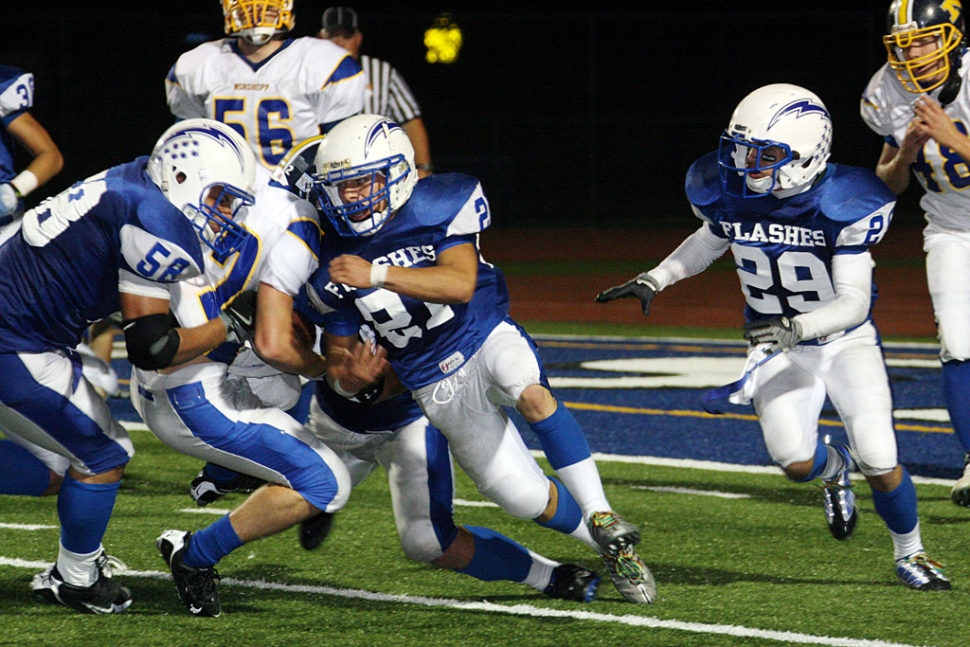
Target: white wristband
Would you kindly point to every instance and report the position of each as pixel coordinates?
(25, 182)
(378, 275)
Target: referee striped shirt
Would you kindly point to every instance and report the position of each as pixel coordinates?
(387, 93)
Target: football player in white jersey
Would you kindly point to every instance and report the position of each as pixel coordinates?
(919, 101)
(141, 223)
(274, 90)
(199, 410)
(406, 261)
(800, 229)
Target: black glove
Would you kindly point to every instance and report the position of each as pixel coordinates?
(642, 287)
(781, 332)
(240, 318)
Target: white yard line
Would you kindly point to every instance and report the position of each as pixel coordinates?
(518, 610)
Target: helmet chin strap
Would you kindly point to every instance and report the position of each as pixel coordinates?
(950, 88)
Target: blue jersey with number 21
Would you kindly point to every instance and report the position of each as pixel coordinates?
(61, 272)
(783, 247)
(425, 341)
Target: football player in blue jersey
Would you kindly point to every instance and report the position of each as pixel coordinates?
(20, 128)
(78, 257)
(396, 435)
(800, 230)
(406, 262)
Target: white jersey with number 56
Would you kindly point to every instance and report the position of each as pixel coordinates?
(274, 104)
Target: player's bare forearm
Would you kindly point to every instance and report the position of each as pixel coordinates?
(451, 280)
(283, 340)
(893, 169)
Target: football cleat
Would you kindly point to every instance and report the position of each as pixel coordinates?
(612, 532)
(960, 494)
(315, 529)
(840, 508)
(205, 490)
(630, 576)
(102, 597)
(196, 587)
(920, 572)
(572, 582)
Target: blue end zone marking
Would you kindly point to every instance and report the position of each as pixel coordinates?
(661, 414)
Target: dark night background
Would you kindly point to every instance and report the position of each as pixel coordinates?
(583, 117)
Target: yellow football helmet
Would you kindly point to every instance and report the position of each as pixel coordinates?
(257, 21)
(913, 21)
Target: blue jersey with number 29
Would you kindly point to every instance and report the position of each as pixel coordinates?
(60, 273)
(425, 341)
(783, 247)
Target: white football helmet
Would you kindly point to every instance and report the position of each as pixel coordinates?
(257, 21)
(780, 115)
(191, 158)
(371, 147)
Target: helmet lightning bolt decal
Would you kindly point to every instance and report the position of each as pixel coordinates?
(800, 108)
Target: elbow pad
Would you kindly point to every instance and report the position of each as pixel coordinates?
(151, 341)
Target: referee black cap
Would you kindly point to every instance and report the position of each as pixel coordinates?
(340, 20)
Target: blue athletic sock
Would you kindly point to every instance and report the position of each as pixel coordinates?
(497, 557)
(562, 439)
(568, 515)
(23, 473)
(211, 544)
(219, 474)
(898, 508)
(818, 466)
(956, 386)
(84, 510)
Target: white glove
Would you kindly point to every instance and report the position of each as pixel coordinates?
(9, 201)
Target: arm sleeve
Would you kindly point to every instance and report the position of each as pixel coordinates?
(852, 279)
(691, 257)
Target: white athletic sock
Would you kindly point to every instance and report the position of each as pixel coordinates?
(833, 465)
(582, 479)
(77, 569)
(907, 544)
(541, 572)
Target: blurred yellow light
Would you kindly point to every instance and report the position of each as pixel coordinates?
(443, 40)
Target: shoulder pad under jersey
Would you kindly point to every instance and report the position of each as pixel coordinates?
(852, 193)
(439, 198)
(703, 182)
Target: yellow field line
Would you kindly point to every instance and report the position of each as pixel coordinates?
(606, 408)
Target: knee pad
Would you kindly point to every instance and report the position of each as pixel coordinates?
(419, 542)
(521, 497)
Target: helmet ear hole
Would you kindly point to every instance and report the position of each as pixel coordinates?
(180, 177)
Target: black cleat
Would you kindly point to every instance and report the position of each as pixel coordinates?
(572, 582)
(102, 597)
(196, 587)
(315, 530)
